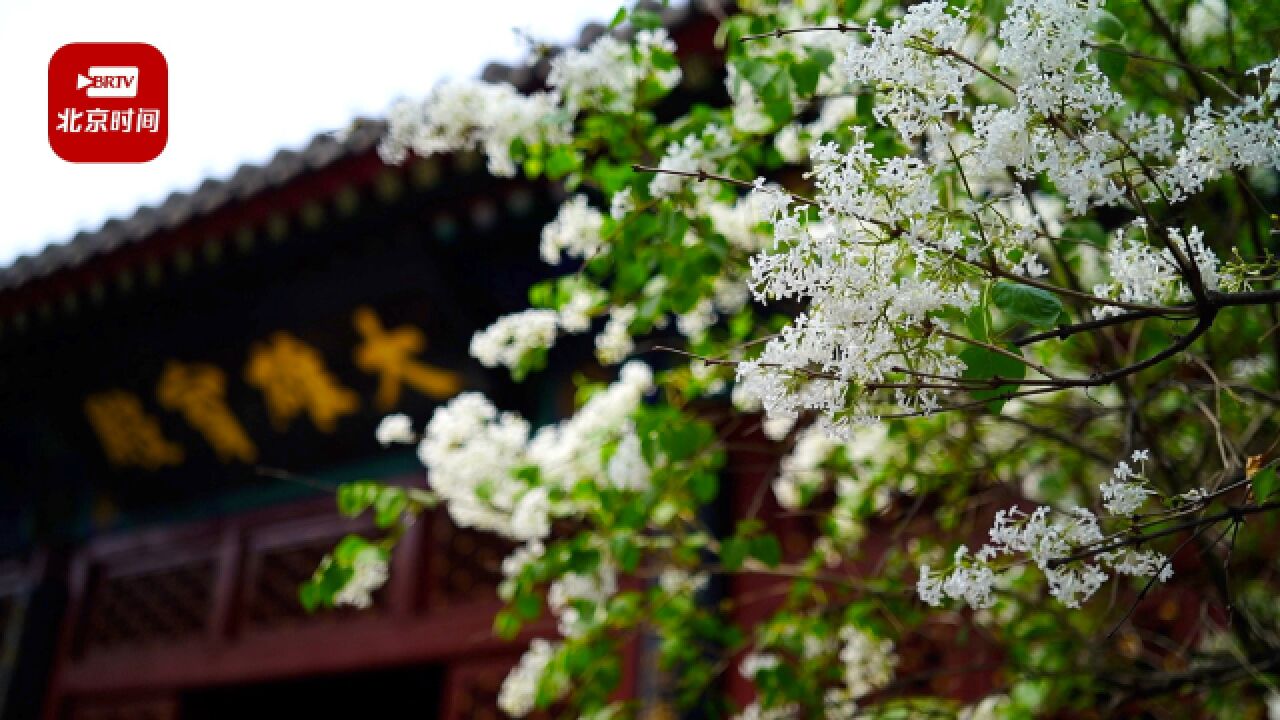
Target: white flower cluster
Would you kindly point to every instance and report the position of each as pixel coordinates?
(395, 428)
(607, 75)
(1126, 491)
(816, 455)
(575, 232)
(474, 456)
(511, 337)
(572, 592)
(971, 582)
(696, 152)
(991, 707)
(471, 453)
(1238, 137)
(878, 265)
(740, 223)
(1142, 274)
(752, 663)
(864, 294)
(465, 115)
(754, 711)
(916, 85)
(801, 473)
(614, 343)
(1048, 540)
(368, 573)
(572, 450)
(748, 110)
(794, 140)
(1044, 45)
(868, 661)
(520, 688)
(576, 312)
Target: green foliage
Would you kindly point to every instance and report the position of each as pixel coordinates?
(984, 364)
(906, 491)
(1038, 307)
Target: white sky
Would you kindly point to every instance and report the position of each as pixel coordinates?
(246, 78)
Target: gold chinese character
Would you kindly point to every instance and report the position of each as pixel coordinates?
(293, 378)
(198, 391)
(389, 354)
(129, 436)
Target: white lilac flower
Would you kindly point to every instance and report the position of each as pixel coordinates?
(696, 152)
(520, 558)
(991, 707)
(575, 314)
(1044, 45)
(471, 452)
(754, 711)
(607, 75)
(395, 428)
(621, 204)
(1126, 491)
(571, 590)
(520, 688)
(1140, 274)
(868, 661)
(1048, 540)
(531, 516)
(627, 469)
(569, 452)
(575, 232)
(915, 88)
(511, 337)
(614, 343)
(801, 473)
(695, 323)
(465, 115)
(678, 581)
(753, 663)
(368, 573)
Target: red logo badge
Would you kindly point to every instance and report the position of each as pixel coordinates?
(108, 102)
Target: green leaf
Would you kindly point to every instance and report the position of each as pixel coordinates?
(982, 364)
(506, 625)
(626, 552)
(390, 505)
(704, 486)
(356, 497)
(347, 550)
(646, 20)
(618, 18)
(976, 323)
(1108, 26)
(733, 552)
(807, 73)
(1040, 308)
(758, 72)
(562, 161)
(528, 606)
(1086, 229)
(1112, 60)
(767, 550)
(310, 596)
(1265, 482)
